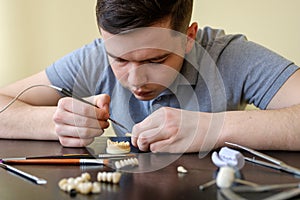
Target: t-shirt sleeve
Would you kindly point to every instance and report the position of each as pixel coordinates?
(81, 70)
(255, 72)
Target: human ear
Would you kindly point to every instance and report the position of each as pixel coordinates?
(191, 36)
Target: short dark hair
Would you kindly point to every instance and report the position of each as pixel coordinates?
(116, 16)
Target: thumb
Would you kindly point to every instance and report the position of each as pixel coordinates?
(102, 101)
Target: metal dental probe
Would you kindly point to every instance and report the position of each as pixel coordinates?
(273, 162)
(71, 94)
(30, 177)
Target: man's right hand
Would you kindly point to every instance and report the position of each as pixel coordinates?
(77, 123)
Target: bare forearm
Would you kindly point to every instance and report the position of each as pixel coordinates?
(263, 129)
(23, 121)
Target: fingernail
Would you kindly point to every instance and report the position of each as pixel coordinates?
(106, 116)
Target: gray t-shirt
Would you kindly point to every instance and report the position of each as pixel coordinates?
(222, 73)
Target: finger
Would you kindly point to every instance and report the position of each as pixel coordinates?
(75, 142)
(155, 121)
(134, 136)
(75, 106)
(147, 124)
(77, 132)
(65, 117)
(170, 145)
(148, 137)
(102, 101)
(135, 133)
(162, 146)
(82, 121)
(141, 129)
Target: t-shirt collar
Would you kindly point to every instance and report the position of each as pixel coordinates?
(187, 77)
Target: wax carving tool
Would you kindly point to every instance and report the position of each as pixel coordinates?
(277, 164)
(27, 176)
(73, 95)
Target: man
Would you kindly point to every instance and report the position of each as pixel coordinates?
(177, 88)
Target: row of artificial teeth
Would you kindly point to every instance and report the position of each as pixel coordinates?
(126, 162)
(110, 177)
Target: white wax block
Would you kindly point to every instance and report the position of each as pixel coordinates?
(225, 177)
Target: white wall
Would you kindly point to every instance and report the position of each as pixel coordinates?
(272, 23)
(34, 33)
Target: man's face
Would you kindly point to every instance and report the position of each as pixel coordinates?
(146, 61)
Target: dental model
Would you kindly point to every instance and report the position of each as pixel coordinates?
(117, 147)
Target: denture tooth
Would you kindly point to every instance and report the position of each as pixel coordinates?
(126, 162)
(109, 177)
(104, 176)
(181, 169)
(116, 177)
(85, 187)
(118, 165)
(96, 188)
(122, 163)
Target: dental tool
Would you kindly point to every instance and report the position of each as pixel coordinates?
(274, 162)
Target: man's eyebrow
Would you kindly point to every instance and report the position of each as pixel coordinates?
(148, 59)
(111, 55)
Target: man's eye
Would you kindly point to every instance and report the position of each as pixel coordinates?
(120, 60)
(158, 61)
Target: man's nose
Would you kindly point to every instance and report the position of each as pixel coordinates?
(137, 75)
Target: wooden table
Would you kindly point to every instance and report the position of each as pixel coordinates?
(155, 178)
